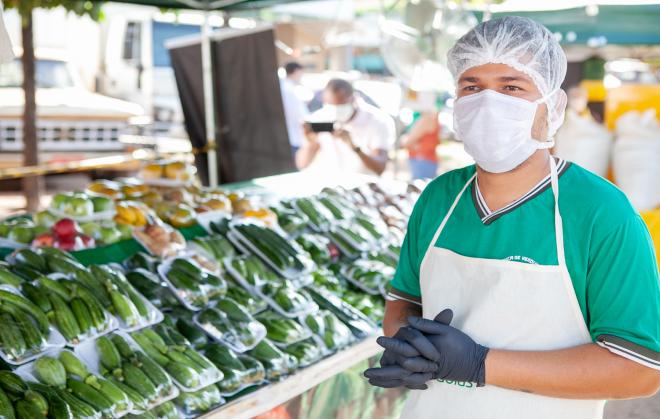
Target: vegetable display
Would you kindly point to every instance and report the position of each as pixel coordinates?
(181, 330)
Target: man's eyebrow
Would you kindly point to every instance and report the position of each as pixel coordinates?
(468, 80)
(512, 78)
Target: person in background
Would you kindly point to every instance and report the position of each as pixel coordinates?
(421, 142)
(578, 99)
(295, 110)
(362, 136)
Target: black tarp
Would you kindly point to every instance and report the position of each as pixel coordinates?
(250, 125)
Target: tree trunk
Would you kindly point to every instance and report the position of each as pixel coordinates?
(32, 185)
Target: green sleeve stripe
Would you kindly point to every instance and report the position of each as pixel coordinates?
(630, 350)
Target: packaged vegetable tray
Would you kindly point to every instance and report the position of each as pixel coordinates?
(360, 325)
(192, 404)
(193, 285)
(189, 369)
(230, 323)
(281, 330)
(119, 359)
(371, 276)
(276, 363)
(284, 256)
(63, 370)
(25, 332)
(288, 300)
(306, 352)
(334, 334)
(239, 371)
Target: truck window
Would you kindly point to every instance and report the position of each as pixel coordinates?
(48, 74)
(132, 42)
(162, 31)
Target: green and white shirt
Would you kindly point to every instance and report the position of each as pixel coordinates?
(609, 252)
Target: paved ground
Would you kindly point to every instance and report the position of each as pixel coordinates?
(634, 409)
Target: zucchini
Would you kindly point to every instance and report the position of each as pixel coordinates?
(155, 373)
(28, 410)
(91, 279)
(9, 278)
(30, 258)
(27, 306)
(6, 408)
(96, 311)
(108, 353)
(183, 374)
(11, 339)
(37, 296)
(81, 313)
(111, 392)
(139, 402)
(12, 384)
(191, 332)
(125, 308)
(89, 395)
(73, 365)
(50, 285)
(79, 408)
(58, 408)
(65, 319)
(38, 400)
(50, 371)
(134, 377)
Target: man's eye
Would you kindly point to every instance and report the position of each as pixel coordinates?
(470, 88)
(512, 88)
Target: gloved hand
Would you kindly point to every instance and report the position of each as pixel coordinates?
(402, 364)
(459, 358)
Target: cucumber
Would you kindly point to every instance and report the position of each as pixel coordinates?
(58, 408)
(65, 319)
(148, 347)
(30, 258)
(11, 339)
(27, 306)
(139, 402)
(91, 280)
(187, 267)
(38, 400)
(6, 408)
(34, 340)
(122, 346)
(108, 353)
(79, 408)
(37, 296)
(25, 272)
(135, 378)
(199, 359)
(234, 311)
(183, 374)
(111, 392)
(9, 278)
(138, 302)
(63, 265)
(28, 410)
(73, 365)
(89, 395)
(155, 373)
(156, 339)
(81, 313)
(96, 311)
(191, 332)
(166, 410)
(50, 371)
(125, 308)
(12, 384)
(50, 285)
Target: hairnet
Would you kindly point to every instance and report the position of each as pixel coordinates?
(523, 44)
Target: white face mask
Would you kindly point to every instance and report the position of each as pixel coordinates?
(341, 113)
(496, 129)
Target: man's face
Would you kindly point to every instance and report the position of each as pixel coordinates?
(335, 98)
(509, 81)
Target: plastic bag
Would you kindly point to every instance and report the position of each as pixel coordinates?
(636, 158)
(585, 142)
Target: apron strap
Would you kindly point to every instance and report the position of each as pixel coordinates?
(559, 229)
(451, 210)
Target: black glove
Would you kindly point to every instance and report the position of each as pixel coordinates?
(404, 367)
(459, 358)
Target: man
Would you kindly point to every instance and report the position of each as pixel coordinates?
(423, 138)
(362, 137)
(540, 275)
(295, 110)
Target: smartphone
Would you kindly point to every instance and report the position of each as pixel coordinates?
(322, 126)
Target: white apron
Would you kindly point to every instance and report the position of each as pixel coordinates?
(504, 305)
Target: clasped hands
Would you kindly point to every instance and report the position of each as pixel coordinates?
(428, 350)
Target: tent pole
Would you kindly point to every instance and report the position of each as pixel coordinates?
(209, 105)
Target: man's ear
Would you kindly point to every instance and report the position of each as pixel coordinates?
(556, 113)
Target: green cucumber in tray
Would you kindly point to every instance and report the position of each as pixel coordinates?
(281, 330)
(274, 248)
(252, 270)
(359, 324)
(306, 352)
(319, 216)
(252, 303)
(288, 300)
(275, 362)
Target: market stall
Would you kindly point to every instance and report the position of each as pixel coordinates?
(232, 301)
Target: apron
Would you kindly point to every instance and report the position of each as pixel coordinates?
(505, 305)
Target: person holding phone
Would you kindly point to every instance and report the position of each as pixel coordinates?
(348, 135)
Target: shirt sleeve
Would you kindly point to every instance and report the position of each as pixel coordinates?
(623, 293)
(405, 284)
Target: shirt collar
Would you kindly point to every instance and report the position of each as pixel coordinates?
(487, 216)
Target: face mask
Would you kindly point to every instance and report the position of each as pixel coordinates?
(496, 129)
(341, 113)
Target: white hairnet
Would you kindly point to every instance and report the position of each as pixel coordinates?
(523, 44)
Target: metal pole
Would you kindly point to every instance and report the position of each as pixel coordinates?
(209, 108)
